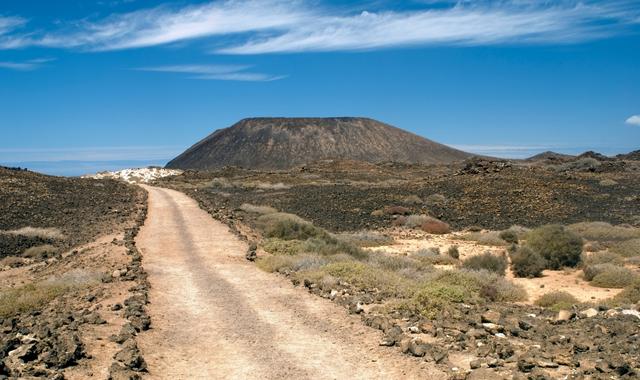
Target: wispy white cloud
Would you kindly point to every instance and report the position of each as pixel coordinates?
(634, 120)
(273, 26)
(215, 72)
(30, 65)
(89, 153)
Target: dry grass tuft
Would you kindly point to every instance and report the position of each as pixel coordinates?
(262, 210)
(35, 232)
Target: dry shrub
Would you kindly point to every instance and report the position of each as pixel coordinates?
(328, 246)
(558, 246)
(365, 276)
(436, 200)
(282, 247)
(377, 213)
(413, 221)
(272, 186)
(557, 300)
(296, 263)
(601, 257)
(396, 210)
(366, 238)
(454, 252)
(490, 238)
(12, 262)
(612, 276)
(608, 182)
(246, 207)
(412, 199)
(509, 236)
(602, 231)
(50, 234)
(220, 183)
(40, 252)
(629, 296)
(628, 248)
(527, 263)
(487, 261)
(435, 226)
(288, 227)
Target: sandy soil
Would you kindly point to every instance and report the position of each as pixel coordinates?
(215, 315)
(569, 280)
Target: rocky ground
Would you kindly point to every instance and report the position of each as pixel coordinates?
(483, 340)
(349, 196)
(74, 313)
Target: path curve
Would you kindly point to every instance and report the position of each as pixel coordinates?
(217, 316)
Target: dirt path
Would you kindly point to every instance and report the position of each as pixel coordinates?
(215, 315)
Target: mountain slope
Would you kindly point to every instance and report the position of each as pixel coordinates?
(280, 143)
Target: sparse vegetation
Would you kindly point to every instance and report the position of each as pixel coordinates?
(246, 207)
(28, 298)
(614, 277)
(366, 238)
(585, 164)
(509, 236)
(629, 296)
(628, 248)
(412, 199)
(601, 257)
(608, 182)
(436, 200)
(557, 300)
(527, 263)
(489, 238)
(601, 231)
(558, 246)
(50, 234)
(40, 251)
(454, 252)
(487, 261)
(283, 247)
(288, 227)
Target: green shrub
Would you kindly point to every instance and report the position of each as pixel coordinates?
(527, 263)
(433, 298)
(509, 236)
(628, 248)
(558, 246)
(557, 300)
(328, 245)
(365, 276)
(454, 252)
(283, 247)
(292, 230)
(28, 298)
(613, 277)
(487, 261)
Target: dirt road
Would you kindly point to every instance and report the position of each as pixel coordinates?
(217, 316)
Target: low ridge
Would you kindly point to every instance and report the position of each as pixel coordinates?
(281, 143)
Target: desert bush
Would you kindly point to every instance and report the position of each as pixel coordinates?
(629, 296)
(591, 271)
(40, 251)
(365, 276)
(557, 300)
(328, 246)
(509, 236)
(453, 252)
(601, 257)
(50, 234)
(628, 248)
(366, 238)
(222, 183)
(490, 238)
(634, 261)
(586, 164)
(393, 263)
(527, 263)
(12, 262)
(296, 263)
(558, 246)
(289, 227)
(283, 247)
(436, 200)
(271, 186)
(608, 182)
(487, 261)
(412, 199)
(433, 298)
(246, 207)
(28, 298)
(602, 231)
(612, 276)
(435, 226)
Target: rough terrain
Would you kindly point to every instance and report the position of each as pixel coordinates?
(215, 315)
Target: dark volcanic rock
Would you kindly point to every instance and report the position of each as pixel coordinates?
(280, 143)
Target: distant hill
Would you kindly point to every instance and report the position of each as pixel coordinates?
(281, 143)
(551, 156)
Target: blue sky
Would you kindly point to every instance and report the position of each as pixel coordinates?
(140, 81)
